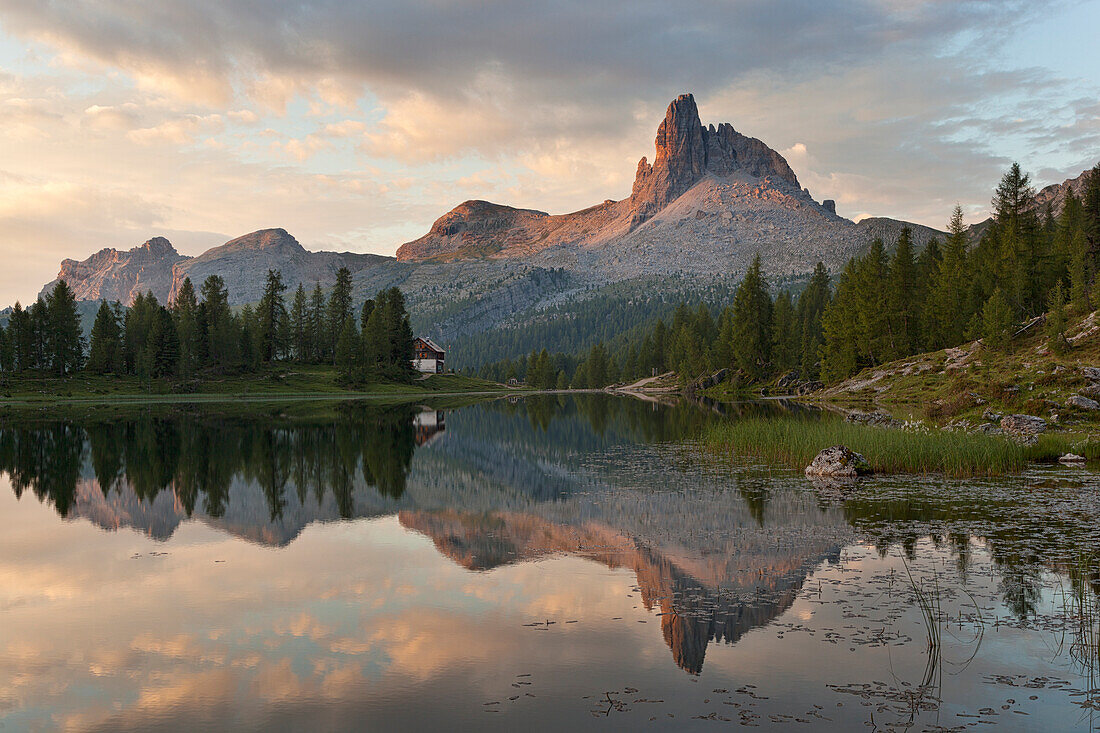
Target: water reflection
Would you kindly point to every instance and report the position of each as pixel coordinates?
(545, 536)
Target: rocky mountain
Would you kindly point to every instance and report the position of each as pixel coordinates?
(243, 264)
(1054, 195)
(113, 275)
(711, 199)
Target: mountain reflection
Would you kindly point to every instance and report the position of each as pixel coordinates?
(493, 484)
(699, 601)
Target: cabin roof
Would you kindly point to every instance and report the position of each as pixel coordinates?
(430, 344)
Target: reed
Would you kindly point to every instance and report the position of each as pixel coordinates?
(795, 441)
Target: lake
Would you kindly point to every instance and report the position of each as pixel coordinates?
(544, 563)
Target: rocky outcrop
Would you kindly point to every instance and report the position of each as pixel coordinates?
(1023, 427)
(838, 462)
(111, 275)
(1082, 403)
(686, 151)
(1055, 194)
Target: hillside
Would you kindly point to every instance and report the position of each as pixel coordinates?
(960, 385)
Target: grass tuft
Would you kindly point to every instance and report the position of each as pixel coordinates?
(794, 442)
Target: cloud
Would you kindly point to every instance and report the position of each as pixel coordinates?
(391, 112)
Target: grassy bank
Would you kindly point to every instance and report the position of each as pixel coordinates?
(272, 382)
(962, 384)
(795, 442)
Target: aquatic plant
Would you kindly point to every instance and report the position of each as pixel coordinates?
(794, 442)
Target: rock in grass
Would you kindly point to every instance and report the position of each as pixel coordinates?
(1082, 403)
(1023, 426)
(838, 461)
(1071, 458)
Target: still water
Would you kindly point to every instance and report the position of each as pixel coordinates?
(541, 564)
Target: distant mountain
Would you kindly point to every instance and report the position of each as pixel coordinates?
(1054, 195)
(243, 264)
(711, 199)
(113, 275)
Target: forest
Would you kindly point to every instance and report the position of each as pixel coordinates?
(889, 303)
(200, 335)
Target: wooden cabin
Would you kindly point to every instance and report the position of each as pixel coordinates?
(427, 356)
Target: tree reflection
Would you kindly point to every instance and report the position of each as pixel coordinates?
(198, 457)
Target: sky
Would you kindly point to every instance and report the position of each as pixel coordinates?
(354, 125)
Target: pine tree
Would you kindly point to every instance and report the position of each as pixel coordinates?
(785, 341)
(65, 335)
(400, 334)
(901, 299)
(947, 297)
(365, 311)
(997, 321)
(162, 346)
(7, 354)
(105, 350)
(839, 350)
(348, 362)
(138, 326)
(319, 325)
(271, 318)
(299, 323)
(811, 307)
(752, 315)
(339, 304)
(1016, 234)
(874, 335)
(223, 338)
(21, 337)
(39, 317)
(1079, 273)
(1056, 320)
(185, 311)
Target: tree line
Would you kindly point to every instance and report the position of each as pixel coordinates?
(887, 304)
(200, 334)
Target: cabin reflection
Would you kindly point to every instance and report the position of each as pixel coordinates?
(428, 426)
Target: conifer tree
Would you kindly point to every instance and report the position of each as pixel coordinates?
(7, 355)
(21, 338)
(64, 334)
(162, 346)
(947, 314)
(339, 304)
(811, 307)
(348, 355)
(223, 338)
(997, 321)
(105, 350)
(299, 325)
(752, 316)
(185, 311)
(1056, 320)
(271, 318)
(1079, 272)
(319, 325)
(901, 299)
(39, 317)
(839, 350)
(785, 340)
